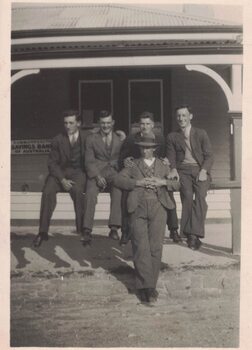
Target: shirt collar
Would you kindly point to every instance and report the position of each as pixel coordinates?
(149, 162)
(106, 135)
(74, 136)
(186, 131)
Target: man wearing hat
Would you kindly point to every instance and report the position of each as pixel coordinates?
(129, 151)
(147, 203)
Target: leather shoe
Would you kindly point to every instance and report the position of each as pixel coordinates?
(194, 242)
(41, 236)
(175, 236)
(124, 238)
(144, 296)
(113, 234)
(153, 294)
(86, 237)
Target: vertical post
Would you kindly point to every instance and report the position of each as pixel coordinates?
(236, 220)
(235, 130)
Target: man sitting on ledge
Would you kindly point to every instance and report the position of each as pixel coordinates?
(66, 174)
(101, 163)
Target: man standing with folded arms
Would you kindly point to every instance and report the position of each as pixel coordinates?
(130, 151)
(66, 174)
(190, 154)
(148, 202)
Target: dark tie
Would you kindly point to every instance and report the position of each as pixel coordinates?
(107, 142)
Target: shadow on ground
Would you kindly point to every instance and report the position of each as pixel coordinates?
(103, 253)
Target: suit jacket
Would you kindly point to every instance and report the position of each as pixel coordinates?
(130, 149)
(200, 144)
(98, 160)
(59, 156)
(126, 180)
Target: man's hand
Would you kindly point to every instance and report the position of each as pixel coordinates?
(202, 175)
(165, 161)
(143, 183)
(173, 175)
(157, 181)
(121, 134)
(101, 182)
(128, 162)
(67, 184)
(151, 182)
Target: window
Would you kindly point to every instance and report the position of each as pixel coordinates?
(145, 95)
(94, 96)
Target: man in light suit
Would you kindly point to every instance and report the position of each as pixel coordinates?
(66, 174)
(147, 204)
(101, 163)
(190, 154)
(129, 151)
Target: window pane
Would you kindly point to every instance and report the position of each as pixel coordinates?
(145, 96)
(94, 97)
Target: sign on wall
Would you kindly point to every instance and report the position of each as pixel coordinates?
(30, 146)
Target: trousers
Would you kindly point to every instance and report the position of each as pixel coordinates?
(147, 225)
(49, 200)
(193, 198)
(92, 191)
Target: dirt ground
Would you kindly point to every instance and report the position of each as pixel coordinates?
(103, 311)
(63, 295)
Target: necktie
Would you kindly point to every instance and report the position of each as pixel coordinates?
(107, 142)
(72, 140)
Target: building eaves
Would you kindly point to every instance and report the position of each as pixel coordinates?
(123, 48)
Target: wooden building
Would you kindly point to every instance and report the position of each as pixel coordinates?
(127, 59)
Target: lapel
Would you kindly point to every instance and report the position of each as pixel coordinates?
(82, 142)
(100, 143)
(181, 139)
(158, 170)
(114, 143)
(193, 142)
(65, 145)
(140, 166)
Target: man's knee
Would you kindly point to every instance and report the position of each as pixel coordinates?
(77, 190)
(50, 187)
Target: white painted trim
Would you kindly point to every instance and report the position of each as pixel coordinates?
(236, 80)
(215, 76)
(23, 73)
(26, 205)
(126, 37)
(234, 97)
(127, 61)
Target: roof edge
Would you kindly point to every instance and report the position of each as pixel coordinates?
(132, 30)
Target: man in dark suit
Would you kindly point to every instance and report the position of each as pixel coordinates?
(190, 154)
(101, 163)
(147, 203)
(66, 174)
(130, 151)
